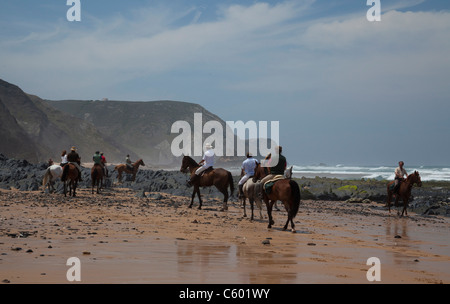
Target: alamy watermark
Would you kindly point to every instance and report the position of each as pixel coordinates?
(190, 139)
(374, 13)
(374, 272)
(74, 12)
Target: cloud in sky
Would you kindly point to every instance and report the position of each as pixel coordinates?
(335, 81)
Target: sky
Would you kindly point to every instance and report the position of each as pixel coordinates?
(344, 90)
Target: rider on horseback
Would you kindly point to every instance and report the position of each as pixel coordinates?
(75, 159)
(400, 172)
(63, 158)
(278, 169)
(103, 161)
(249, 166)
(129, 163)
(97, 158)
(206, 163)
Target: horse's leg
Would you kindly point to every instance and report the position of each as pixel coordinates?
(65, 188)
(397, 198)
(259, 205)
(269, 205)
(199, 198)
(289, 217)
(389, 198)
(192, 198)
(75, 187)
(243, 202)
(225, 200)
(252, 203)
(405, 205)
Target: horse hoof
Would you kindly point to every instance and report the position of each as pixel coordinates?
(294, 231)
(284, 228)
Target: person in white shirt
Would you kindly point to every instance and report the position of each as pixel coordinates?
(400, 172)
(249, 166)
(206, 162)
(63, 158)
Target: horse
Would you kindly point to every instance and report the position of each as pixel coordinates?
(404, 191)
(51, 174)
(97, 177)
(70, 177)
(285, 190)
(124, 168)
(249, 193)
(220, 178)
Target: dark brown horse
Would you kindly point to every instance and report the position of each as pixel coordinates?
(124, 168)
(285, 190)
(97, 177)
(404, 191)
(70, 177)
(220, 178)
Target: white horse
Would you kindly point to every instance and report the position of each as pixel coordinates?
(250, 193)
(51, 175)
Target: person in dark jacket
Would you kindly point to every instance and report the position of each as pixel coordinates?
(75, 159)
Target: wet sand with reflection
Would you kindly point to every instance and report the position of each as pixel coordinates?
(120, 238)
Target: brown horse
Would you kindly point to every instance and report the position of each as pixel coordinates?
(70, 177)
(220, 178)
(97, 177)
(404, 191)
(285, 190)
(124, 168)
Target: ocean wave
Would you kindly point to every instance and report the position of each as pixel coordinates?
(427, 173)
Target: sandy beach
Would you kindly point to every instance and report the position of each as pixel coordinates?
(122, 238)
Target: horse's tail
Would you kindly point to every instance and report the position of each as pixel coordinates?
(46, 177)
(295, 191)
(65, 173)
(231, 182)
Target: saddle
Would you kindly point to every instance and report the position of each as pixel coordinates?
(207, 171)
(269, 184)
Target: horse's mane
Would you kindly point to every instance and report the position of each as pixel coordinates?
(412, 175)
(191, 161)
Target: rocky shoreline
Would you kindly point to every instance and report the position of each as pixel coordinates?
(433, 198)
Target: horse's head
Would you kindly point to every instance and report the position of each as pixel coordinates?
(417, 179)
(288, 172)
(186, 163)
(414, 178)
(257, 175)
(141, 162)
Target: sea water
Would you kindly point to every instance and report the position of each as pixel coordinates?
(427, 173)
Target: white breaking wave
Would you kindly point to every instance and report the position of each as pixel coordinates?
(369, 172)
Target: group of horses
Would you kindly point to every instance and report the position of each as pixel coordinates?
(69, 175)
(285, 190)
